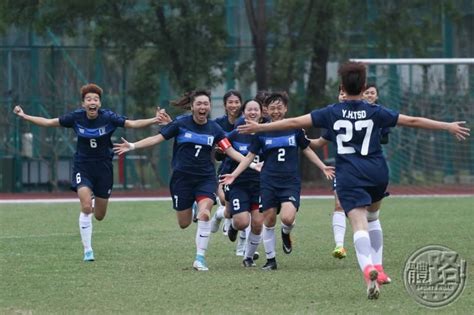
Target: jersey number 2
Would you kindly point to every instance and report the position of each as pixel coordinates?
(347, 136)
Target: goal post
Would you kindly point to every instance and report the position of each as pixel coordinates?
(424, 161)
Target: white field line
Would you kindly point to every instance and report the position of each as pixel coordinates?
(132, 199)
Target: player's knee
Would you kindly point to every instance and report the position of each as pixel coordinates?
(183, 225)
(287, 219)
(240, 223)
(372, 215)
(87, 208)
(204, 215)
(256, 229)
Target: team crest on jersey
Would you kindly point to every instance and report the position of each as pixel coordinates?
(188, 135)
(242, 148)
(102, 131)
(268, 141)
(291, 140)
(210, 140)
(81, 130)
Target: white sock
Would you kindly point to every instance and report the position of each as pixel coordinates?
(252, 244)
(242, 236)
(220, 212)
(247, 231)
(287, 228)
(339, 227)
(269, 241)
(376, 241)
(363, 248)
(85, 228)
(202, 237)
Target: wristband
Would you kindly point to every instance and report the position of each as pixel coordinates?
(131, 146)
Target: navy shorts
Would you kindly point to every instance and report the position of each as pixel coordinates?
(186, 187)
(243, 196)
(355, 197)
(97, 175)
(276, 190)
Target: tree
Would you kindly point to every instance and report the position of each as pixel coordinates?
(183, 38)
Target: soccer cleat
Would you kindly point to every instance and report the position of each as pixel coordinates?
(248, 262)
(271, 264)
(225, 226)
(232, 233)
(382, 278)
(287, 243)
(339, 252)
(215, 222)
(200, 263)
(370, 275)
(89, 256)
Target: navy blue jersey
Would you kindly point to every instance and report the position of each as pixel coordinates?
(241, 143)
(280, 151)
(224, 123)
(355, 126)
(93, 135)
(193, 144)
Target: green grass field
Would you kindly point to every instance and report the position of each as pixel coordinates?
(143, 262)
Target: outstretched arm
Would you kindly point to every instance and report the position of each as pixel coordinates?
(228, 179)
(238, 157)
(125, 146)
(285, 124)
(142, 123)
(40, 121)
(455, 128)
(314, 158)
(318, 143)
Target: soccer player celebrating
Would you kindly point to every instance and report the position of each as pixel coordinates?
(280, 182)
(232, 105)
(92, 176)
(361, 169)
(193, 176)
(244, 193)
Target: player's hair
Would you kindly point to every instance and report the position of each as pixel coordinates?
(261, 96)
(90, 88)
(353, 76)
(277, 97)
(259, 105)
(188, 98)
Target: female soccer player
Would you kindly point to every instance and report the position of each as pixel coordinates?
(244, 193)
(194, 175)
(92, 175)
(361, 169)
(280, 182)
(339, 218)
(232, 105)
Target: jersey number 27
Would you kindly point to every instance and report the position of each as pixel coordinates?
(346, 137)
